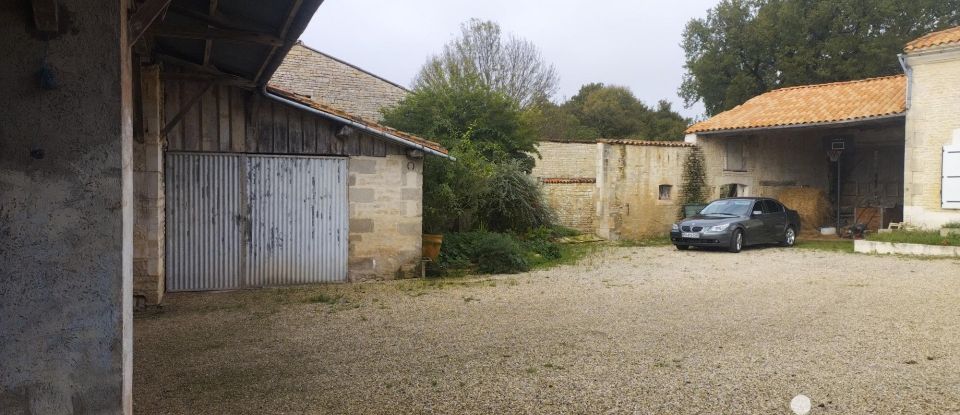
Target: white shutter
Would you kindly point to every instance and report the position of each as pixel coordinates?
(950, 186)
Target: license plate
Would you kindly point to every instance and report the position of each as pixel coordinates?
(692, 235)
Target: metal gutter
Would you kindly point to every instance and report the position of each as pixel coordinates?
(354, 124)
(908, 71)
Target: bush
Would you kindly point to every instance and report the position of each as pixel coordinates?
(514, 201)
(491, 253)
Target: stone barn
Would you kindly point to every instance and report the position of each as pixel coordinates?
(141, 138)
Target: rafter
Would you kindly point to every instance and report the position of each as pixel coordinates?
(211, 33)
(143, 18)
(208, 45)
(206, 70)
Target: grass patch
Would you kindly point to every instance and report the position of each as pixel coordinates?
(569, 254)
(838, 245)
(916, 237)
(323, 298)
(951, 225)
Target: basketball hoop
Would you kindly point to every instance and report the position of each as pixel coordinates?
(834, 155)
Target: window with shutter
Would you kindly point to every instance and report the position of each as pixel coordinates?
(735, 158)
(950, 186)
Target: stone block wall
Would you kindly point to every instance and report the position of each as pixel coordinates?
(565, 160)
(386, 216)
(629, 177)
(572, 202)
(148, 184)
(333, 82)
(932, 122)
(567, 172)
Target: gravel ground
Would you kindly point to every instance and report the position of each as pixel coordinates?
(627, 330)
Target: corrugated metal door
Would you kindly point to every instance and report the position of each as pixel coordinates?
(236, 221)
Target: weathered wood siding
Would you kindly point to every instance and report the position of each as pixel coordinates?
(234, 120)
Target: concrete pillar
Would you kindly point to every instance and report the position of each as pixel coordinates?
(66, 213)
(148, 241)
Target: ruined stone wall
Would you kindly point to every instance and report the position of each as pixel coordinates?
(572, 202)
(386, 216)
(560, 160)
(628, 204)
(932, 122)
(65, 212)
(330, 81)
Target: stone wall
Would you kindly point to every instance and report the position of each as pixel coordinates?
(565, 160)
(567, 173)
(572, 202)
(386, 217)
(629, 177)
(66, 212)
(330, 81)
(148, 231)
(932, 122)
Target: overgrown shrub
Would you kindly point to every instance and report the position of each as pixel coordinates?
(491, 253)
(514, 201)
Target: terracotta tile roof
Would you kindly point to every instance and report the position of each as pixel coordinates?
(556, 180)
(412, 139)
(646, 143)
(943, 37)
(814, 104)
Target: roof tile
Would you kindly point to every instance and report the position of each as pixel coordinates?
(814, 104)
(343, 114)
(943, 37)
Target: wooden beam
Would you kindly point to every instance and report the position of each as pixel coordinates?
(208, 46)
(219, 20)
(143, 18)
(294, 9)
(45, 15)
(212, 33)
(186, 108)
(209, 69)
(203, 77)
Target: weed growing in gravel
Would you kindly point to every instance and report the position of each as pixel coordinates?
(324, 298)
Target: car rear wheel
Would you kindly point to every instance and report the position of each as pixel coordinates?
(789, 237)
(683, 247)
(736, 241)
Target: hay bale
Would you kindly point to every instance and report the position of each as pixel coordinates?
(812, 204)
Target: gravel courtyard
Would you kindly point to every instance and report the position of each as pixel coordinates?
(627, 330)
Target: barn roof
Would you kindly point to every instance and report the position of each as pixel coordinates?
(832, 103)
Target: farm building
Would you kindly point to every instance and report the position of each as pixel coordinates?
(887, 146)
(143, 150)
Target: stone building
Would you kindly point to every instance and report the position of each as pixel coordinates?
(884, 149)
(616, 189)
(142, 137)
(333, 82)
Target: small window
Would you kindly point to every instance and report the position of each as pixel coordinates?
(735, 158)
(665, 190)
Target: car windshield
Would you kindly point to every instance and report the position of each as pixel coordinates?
(728, 207)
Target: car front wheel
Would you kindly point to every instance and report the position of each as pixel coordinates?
(789, 237)
(736, 241)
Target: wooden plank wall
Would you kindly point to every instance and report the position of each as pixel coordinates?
(231, 119)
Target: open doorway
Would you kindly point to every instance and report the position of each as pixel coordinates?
(733, 190)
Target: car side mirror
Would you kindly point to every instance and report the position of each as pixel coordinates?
(757, 212)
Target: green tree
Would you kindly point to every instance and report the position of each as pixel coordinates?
(746, 47)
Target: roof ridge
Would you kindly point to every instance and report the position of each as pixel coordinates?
(853, 81)
(302, 43)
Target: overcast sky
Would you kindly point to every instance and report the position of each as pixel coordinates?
(635, 43)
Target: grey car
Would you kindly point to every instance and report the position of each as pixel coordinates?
(737, 222)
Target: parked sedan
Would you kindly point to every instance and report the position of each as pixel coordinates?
(737, 222)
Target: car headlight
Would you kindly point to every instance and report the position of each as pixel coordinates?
(719, 228)
(674, 227)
